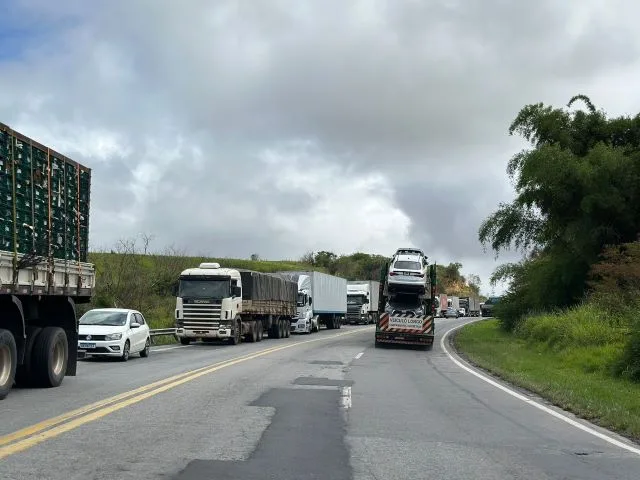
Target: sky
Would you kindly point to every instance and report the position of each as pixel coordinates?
(230, 128)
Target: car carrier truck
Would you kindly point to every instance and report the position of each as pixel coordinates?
(233, 304)
(322, 300)
(362, 301)
(44, 274)
(406, 317)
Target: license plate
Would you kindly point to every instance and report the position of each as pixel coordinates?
(87, 345)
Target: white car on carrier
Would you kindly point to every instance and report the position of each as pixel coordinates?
(114, 332)
(408, 273)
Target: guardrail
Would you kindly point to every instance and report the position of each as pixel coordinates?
(162, 331)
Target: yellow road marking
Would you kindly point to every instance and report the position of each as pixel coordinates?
(47, 429)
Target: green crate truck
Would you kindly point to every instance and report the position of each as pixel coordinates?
(44, 231)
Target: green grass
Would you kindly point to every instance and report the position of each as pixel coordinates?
(568, 358)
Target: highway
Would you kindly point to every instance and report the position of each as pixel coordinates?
(321, 406)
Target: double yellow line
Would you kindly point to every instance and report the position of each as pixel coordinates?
(33, 435)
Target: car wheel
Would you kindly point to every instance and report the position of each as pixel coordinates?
(126, 351)
(147, 348)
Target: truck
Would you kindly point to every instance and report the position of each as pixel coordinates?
(233, 304)
(487, 308)
(443, 304)
(362, 301)
(44, 272)
(406, 317)
(322, 299)
(471, 304)
(453, 302)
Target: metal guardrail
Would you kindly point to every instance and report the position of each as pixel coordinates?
(162, 331)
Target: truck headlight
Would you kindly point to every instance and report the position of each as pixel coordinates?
(113, 336)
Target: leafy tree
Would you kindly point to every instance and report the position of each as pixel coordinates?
(577, 190)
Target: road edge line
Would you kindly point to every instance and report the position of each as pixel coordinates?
(560, 416)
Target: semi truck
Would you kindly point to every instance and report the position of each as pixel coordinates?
(322, 300)
(487, 308)
(406, 317)
(44, 272)
(471, 304)
(443, 304)
(233, 304)
(362, 301)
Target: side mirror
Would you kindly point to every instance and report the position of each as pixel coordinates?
(236, 291)
(310, 301)
(135, 325)
(174, 290)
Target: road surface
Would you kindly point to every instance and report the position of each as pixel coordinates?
(322, 406)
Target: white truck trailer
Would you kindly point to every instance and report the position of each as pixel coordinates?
(44, 274)
(362, 301)
(322, 300)
(233, 304)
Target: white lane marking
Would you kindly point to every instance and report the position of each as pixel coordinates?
(345, 399)
(359, 355)
(531, 402)
(155, 350)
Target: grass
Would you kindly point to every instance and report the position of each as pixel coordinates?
(568, 358)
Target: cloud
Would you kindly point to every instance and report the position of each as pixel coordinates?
(279, 127)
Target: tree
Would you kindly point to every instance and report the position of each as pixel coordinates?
(577, 190)
(254, 257)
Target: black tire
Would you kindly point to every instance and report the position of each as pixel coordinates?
(49, 357)
(253, 336)
(8, 362)
(185, 341)
(144, 353)
(338, 323)
(235, 340)
(260, 332)
(24, 372)
(287, 328)
(126, 352)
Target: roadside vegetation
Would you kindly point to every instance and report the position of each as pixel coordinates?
(568, 326)
(131, 275)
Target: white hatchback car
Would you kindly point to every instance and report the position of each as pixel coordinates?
(408, 273)
(114, 332)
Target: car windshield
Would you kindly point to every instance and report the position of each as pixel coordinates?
(407, 265)
(102, 317)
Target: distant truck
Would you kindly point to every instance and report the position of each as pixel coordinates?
(443, 304)
(471, 304)
(233, 304)
(322, 300)
(44, 274)
(487, 308)
(362, 301)
(454, 302)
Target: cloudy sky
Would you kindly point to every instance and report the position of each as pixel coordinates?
(279, 127)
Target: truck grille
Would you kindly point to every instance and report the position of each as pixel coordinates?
(353, 312)
(201, 315)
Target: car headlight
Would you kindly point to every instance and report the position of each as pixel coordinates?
(113, 336)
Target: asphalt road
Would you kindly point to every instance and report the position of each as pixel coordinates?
(321, 406)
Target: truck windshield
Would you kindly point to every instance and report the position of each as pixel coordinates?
(355, 299)
(301, 299)
(97, 317)
(215, 289)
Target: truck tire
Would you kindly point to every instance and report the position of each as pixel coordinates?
(260, 331)
(337, 323)
(8, 362)
(50, 356)
(252, 336)
(287, 328)
(237, 337)
(24, 372)
(185, 341)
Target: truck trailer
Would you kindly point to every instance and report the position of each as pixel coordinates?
(362, 301)
(406, 317)
(471, 304)
(233, 304)
(44, 272)
(322, 300)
